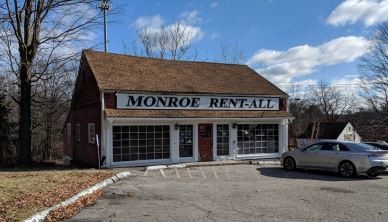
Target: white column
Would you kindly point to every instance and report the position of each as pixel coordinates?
(214, 141)
(233, 141)
(174, 142)
(109, 144)
(283, 136)
(195, 142)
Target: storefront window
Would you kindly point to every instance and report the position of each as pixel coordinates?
(141, 143)
(257, 138)
(223, 140)
(185, 141)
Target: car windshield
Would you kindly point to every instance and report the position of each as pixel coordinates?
(361, 146)
(379, 145)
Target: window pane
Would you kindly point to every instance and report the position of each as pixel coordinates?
(185, 140)
(257, 138)
(131, 143)
(223, 139)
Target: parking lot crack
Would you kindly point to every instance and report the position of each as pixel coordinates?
(208, 212)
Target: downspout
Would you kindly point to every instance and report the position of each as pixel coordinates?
(103, 137)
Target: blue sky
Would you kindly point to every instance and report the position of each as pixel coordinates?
(298, 41)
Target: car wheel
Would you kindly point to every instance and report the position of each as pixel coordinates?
(347, 169)
(289, 163)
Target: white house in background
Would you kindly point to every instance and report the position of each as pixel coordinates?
(343, 131)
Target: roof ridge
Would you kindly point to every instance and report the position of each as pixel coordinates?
(159, 59)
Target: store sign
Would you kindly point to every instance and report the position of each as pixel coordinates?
(142, 101)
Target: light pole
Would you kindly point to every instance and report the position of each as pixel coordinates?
(105, 6)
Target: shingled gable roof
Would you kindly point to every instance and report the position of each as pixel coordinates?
(132, 73)
(328, 130)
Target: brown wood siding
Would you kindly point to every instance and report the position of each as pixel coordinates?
(86, 108)
(110, 100)
(283, 104)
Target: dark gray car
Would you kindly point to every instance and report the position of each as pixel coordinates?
(346, 158)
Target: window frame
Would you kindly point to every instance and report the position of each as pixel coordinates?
(137, 142)
(185, 138)
(267, 142)
(90, 126)
(222, 137)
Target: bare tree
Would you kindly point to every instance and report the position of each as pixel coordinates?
(50, 106)
(133, 49)
(173, 42)
(232, 53)
(374, 72)
(33, 29)
(332, 102)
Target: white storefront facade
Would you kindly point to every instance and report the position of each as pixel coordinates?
(146, 141)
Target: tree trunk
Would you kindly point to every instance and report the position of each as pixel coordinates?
(24, 135)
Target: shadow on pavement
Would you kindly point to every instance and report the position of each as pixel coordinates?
(308, 175)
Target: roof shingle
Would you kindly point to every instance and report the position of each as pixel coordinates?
(131, 73)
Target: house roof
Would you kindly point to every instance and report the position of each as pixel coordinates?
(327, 130)
(131, 73)
(142, 113)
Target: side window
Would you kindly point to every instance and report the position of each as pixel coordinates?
(91, 133)
(314, 147)
(330, 147)
(335, 147)
(342, 147)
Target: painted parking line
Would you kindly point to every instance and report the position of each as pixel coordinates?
(177, 173)
(203, 174)
(215, 173)
(162, 172)
(188, 170)
(227, 173)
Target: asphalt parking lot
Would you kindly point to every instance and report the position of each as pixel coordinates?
(240, 193)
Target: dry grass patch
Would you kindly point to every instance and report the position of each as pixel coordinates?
(71, 210)
(24, 193)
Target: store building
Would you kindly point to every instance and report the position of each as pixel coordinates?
(142, 111)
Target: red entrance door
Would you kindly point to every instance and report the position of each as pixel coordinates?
(205, 142)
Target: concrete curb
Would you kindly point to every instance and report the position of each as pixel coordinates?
(40, 216)
(158, 167)
(220, 163)
(196, 164)
(265, 162)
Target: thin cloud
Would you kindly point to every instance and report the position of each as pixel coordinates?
(283, 66)
(368, 12)
(155, 21)
(187, 22)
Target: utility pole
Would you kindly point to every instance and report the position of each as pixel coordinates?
(105, 7)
